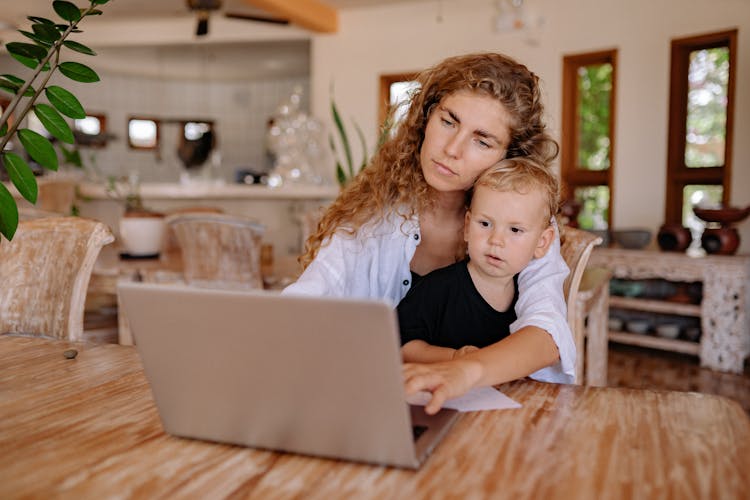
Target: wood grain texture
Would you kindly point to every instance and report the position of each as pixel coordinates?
(88, 428)
(44, 275)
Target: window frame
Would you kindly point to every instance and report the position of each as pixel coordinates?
(157, 141)
(572, 177)
(678, 174)
(384, 94)
(93, 141)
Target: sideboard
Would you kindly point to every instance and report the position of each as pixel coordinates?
(723, 310)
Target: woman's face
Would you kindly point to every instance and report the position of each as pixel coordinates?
(466, 133)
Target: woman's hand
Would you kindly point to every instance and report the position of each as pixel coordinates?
(445, 380)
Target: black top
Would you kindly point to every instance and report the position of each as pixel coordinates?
(445, 309)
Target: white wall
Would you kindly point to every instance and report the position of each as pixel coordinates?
(239, 109)
(407, 37)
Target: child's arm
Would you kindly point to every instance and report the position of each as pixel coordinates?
(516, 356)
(419, 351)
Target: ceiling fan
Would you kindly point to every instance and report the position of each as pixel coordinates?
(315, 15)
(204, 8)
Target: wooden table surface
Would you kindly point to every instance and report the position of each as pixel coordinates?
(88, 428)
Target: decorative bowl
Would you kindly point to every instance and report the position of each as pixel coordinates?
(638, 326)
(632, 238)
(722, 215)
(668, 330)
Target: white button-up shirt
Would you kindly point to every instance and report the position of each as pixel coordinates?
(374, 264)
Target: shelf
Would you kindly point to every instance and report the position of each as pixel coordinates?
(675, 345)
(657, 306)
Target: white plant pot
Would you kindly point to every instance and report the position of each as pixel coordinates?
(142, 235)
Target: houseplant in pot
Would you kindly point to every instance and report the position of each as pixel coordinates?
(141, 229)
(43, 57)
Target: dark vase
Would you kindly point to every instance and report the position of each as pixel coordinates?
(674, 238)
(720, 240)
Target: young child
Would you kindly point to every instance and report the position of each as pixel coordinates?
(469, 305)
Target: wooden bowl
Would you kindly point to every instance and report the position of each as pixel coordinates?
(723, 215)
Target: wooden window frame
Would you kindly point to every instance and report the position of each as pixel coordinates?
(99, 141)
(678, 174)
(571, 176)
(158, 133)
(384, 97)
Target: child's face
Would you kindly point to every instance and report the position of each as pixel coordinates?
(504, 230)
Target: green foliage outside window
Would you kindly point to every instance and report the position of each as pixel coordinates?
(594, 91)
(708, 79)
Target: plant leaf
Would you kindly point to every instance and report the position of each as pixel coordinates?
(72, 157)
(363, 143)
(340, 174)
(78, 72)
(99, 2)
(67, 10)
(342, 135)
(13, 84)
(41, 41)
(3, 129)
(79, 47)
(95, 12)
(21, 175)
(46, 32)
(39, 148)
(42, 20)
(65, 102)
(29, 63)
(54, 122)
(26, 50)
(8, 213)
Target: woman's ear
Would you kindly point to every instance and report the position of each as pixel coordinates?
(545, 240)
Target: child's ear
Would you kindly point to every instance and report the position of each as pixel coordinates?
(545, 240)
(467, 220)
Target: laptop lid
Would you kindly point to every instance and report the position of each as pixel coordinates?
(310, 375)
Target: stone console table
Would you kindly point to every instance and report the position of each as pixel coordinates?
(723, 311)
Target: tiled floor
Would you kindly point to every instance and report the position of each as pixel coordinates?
(644, 368)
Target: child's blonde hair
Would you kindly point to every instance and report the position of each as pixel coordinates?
(523, 174)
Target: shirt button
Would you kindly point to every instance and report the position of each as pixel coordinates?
(416, 236)
(406, 282)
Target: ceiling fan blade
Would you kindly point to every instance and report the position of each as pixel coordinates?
(262, 19)
(315, 15)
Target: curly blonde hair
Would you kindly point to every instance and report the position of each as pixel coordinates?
(523, 174)
(394, 177)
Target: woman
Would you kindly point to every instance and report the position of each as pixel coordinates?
(403, 217)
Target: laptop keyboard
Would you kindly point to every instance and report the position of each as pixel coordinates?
(418, 430)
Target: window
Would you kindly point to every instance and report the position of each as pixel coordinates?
(588, 135)
(394, 92)
(701, 107)
(91, 131)
(143, 133)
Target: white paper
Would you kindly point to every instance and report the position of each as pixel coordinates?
(477, 399)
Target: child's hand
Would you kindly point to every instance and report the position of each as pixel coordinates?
(458, 353)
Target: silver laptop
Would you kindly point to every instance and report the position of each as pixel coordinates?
(316, 376)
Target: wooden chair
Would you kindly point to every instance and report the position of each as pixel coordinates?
(44, 275)
(576, 247)
(219, 250)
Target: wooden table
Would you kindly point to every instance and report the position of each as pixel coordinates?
(88, 428)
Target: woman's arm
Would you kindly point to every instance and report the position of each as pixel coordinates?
(516, 356)
(541, 304)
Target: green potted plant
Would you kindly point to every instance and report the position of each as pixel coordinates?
(43, 57)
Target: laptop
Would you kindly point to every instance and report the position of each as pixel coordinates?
(308, 375)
